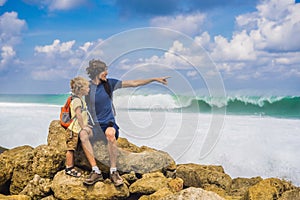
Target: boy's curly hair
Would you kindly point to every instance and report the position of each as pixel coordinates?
(95, 68)
(77, 83)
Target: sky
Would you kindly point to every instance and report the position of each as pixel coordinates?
(251, 45)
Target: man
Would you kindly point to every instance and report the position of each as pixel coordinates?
(100, 105)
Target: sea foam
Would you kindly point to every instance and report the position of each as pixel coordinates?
(245, 146)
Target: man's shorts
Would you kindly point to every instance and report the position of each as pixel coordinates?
(71, 140)
(99, 131)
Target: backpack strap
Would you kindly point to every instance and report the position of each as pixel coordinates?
(107, 89)
(73, 97)
(83, 109)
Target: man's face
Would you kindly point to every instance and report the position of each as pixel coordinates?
(102, 75)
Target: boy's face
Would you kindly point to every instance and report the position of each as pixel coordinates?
(85, 89)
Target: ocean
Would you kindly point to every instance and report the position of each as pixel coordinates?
(248, 135)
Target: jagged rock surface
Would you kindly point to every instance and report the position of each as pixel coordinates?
(37, 173)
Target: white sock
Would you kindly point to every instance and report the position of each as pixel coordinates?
(96, 169)
(113, 169)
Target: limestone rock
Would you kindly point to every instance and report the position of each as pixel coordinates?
(37, 188)
(219, 191)
(27, 173)
(57, 136)
(22, 169)
(142, 162)
(153, 182)
(127, 146)
(14, 197)
(67, 187)
(2, 149)
(268, 189)
(51, 197)
(195, 175)
(47, 161)
(240, 186)
(130, 177)
(163, 192)
(131, 157)
(9, 160)
(291, 195)
(195, 194)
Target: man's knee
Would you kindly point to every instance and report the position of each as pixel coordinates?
(110, 134)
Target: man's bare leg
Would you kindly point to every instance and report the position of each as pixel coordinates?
(113, 154)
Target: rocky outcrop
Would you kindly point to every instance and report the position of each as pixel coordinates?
(153, 182)
(271, 188)
(195, 194)
(14, 197)
(2, 149)
(200, 176)
(149, 174)
(16, 168)
(291, 194)
(131, 157)
(66, 187)
(37, 188)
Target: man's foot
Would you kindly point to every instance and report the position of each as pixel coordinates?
(93, 178)
(116, 179)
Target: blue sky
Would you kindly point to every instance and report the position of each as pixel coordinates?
(253, 44)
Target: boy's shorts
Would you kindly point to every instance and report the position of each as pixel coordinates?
(71, 140)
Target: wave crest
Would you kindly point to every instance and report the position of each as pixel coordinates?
(280, 106)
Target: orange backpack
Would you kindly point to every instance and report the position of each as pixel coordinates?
(65, 113)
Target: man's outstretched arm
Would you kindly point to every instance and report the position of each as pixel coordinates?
(135, 83)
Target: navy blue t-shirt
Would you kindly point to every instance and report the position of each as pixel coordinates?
(100, 104)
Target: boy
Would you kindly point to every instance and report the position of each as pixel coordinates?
(79, 128)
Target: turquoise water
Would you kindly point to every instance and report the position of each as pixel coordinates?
(51, 99)
(274, 106)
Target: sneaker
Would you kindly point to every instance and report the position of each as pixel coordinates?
(93, 178)
(116, 179)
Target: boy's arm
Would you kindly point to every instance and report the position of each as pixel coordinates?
(79, 117)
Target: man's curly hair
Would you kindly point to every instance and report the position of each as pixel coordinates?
(95, 68)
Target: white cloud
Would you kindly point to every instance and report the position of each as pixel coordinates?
(65, 4)
(188, 24)
(263, 43)
(56, 47)
(203, 40)
(7, 54)
(59, 60)
(10, 28)
(10, 35)
(2, 2)
(192, 73)
(57, 4)
(86, 46)
(239, 48)
(49, 73)
(274, 26)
